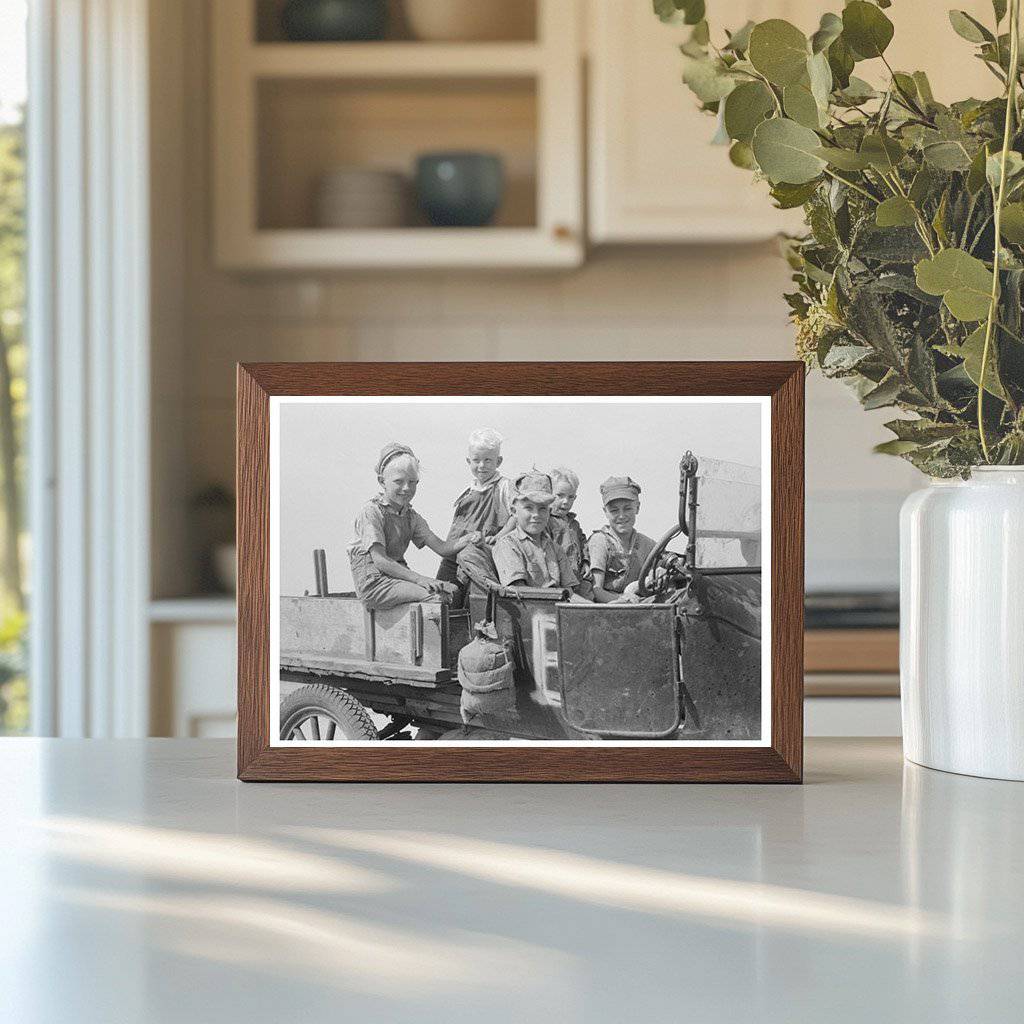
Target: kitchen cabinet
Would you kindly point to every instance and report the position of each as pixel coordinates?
(653, 175)
(286, 114)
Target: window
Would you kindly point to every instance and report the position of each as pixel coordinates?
(14, 690)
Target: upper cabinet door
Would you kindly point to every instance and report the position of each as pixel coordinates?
(654, 175)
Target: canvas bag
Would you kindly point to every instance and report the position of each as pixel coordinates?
(487, 676)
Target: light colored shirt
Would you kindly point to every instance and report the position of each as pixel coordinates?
(536, 561)
(380, 522)
(620, 565)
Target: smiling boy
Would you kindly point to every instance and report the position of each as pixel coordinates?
(527, 556)
(487, 503)
(385, 527)
(618, 550)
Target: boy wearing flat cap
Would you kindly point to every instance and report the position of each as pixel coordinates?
(618, 550)
(527, 556)
(385, 527)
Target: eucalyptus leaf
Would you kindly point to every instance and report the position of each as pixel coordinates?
(924, 88)
(895, 447)
(788, 196)
(999, 9)
(971, 351)
(690, 12)
(866, 29)
(829, 29)
(857, 91)
(976, 173)
(786, 151)
(896, 211)
(947, 156)
(741, 155)
(800, 105)
(707, 78)
(745, 108)
(993, 167)
(739, 41)
(1012, 223)
(963, 281)
(883, 395)
(845, 159)
(840, 62)
(779, 51)
(819, 75)
(969, 28)
(883, 152)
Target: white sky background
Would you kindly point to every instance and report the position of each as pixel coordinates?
(13, 58)
(328, 451)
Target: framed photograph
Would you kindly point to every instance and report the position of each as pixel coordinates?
(520, 571)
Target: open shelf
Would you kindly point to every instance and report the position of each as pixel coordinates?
(388, 60)
(309, 127)
(520, 23)
(286, 114)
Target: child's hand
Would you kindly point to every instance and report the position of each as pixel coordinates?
(474, 538)
(443, 587)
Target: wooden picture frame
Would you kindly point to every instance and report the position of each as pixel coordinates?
(780, 759)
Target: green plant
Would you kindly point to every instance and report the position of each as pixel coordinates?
(901, 289)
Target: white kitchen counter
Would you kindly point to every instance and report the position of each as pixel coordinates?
(140, 882)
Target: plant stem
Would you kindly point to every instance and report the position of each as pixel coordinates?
(853, 185)
(1011, 107)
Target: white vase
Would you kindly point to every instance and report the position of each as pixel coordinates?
(962, 624)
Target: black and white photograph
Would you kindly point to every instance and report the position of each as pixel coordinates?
(552, 570)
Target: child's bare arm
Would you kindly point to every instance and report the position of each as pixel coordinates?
(451, 548)
(602, 596)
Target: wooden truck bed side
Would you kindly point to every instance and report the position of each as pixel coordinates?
(337, 634)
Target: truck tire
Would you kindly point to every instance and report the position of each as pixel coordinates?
(321, 712)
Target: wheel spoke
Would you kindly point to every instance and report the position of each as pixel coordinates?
(315, 723)
(331, 726)
(297, 733)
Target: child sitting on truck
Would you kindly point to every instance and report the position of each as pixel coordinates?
(566, 530)
(385, 527)
(527, 556)
(487, 503)
(618, 550)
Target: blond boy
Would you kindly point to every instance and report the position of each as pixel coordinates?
(485, 505)
(385, 527)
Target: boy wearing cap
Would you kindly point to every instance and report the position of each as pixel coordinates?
(385, 527)
(527, 556)
(487, 503)
(618, 550)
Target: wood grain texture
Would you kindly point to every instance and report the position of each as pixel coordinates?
(780, 762)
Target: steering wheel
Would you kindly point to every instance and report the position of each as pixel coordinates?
(645, 585)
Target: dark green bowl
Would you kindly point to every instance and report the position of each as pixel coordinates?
(460, 189)
(334, 21)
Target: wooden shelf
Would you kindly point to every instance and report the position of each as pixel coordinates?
(284, 114)
(319, 248)
(392, 60)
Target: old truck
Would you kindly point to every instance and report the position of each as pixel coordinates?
(682, 663)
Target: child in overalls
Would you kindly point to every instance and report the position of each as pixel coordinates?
(485, 505)
(566, 529)
(385, 527)
(618, 550)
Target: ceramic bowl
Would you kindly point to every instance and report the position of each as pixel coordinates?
(470, 20)
(333, 21)
(460, 189)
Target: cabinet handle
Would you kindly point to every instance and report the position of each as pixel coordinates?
(562, 232)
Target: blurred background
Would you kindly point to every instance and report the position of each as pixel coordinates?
(246, 180)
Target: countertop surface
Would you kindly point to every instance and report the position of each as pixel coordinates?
(140, 882)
